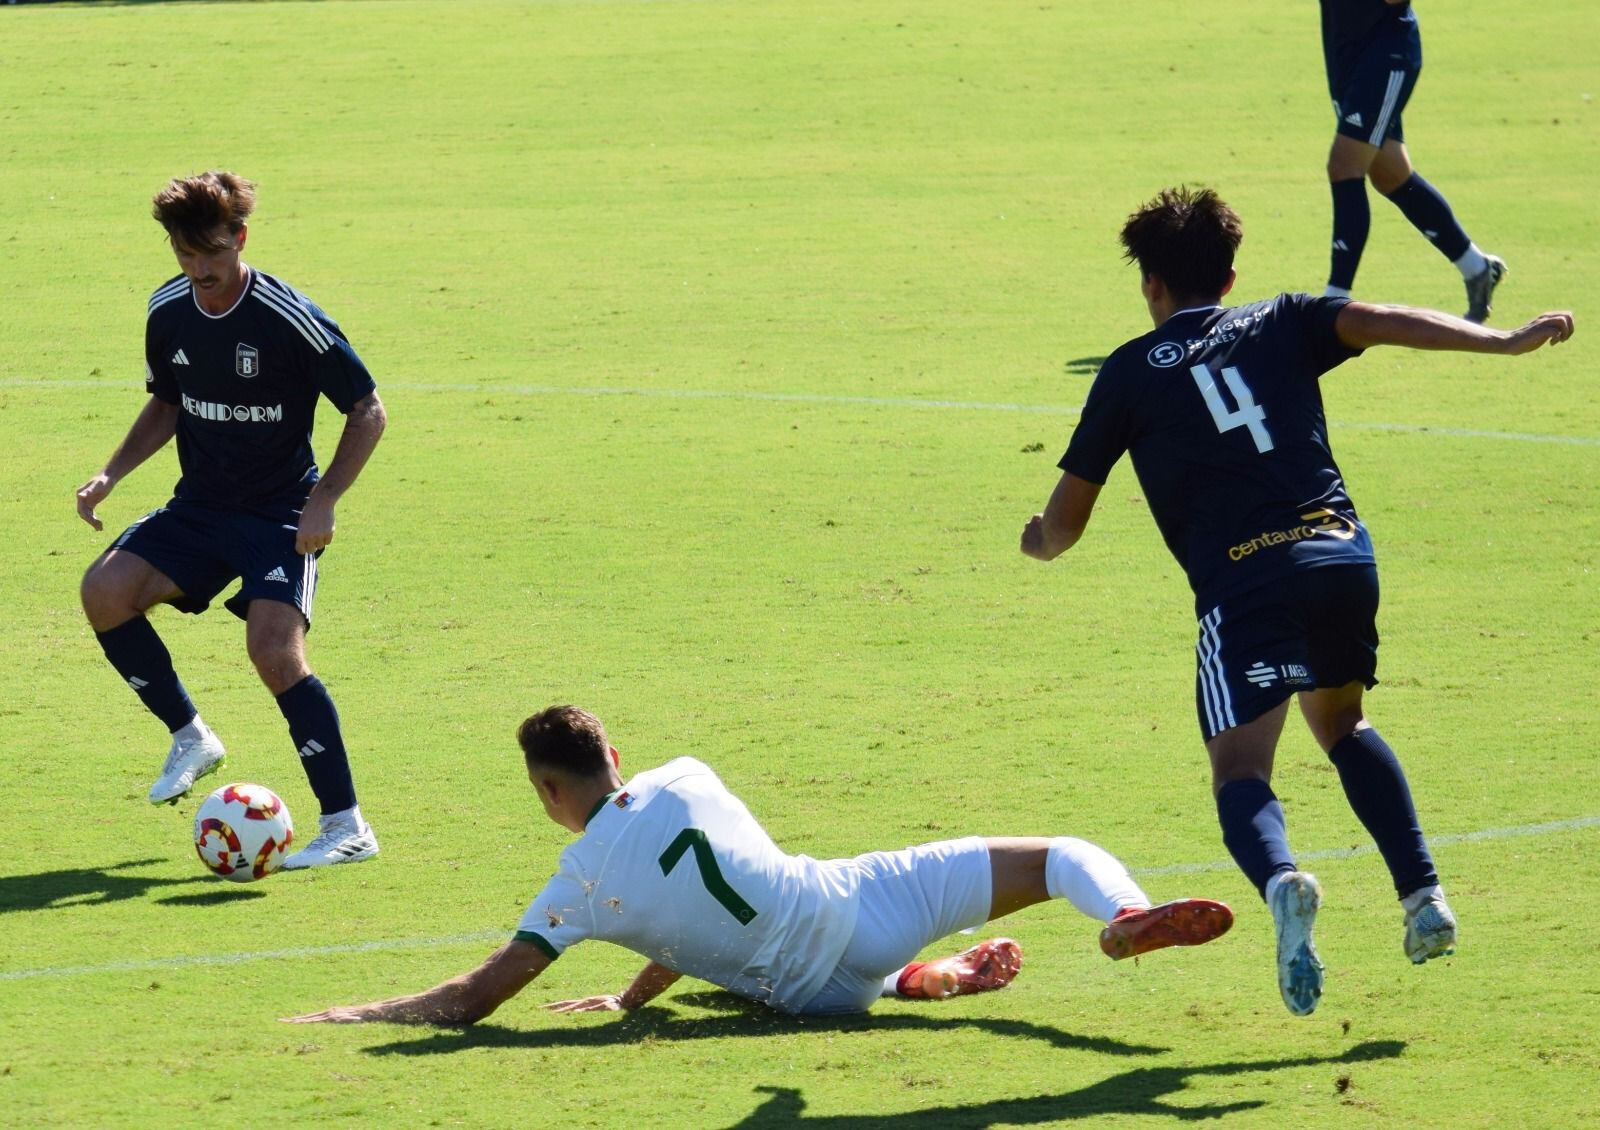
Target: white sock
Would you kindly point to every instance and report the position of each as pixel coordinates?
(1090, 878)
(891, 984)
(193, 732)
(1335, 292)
(1473, 263)
(350, 816)
(1272, 884)
(1413, 902)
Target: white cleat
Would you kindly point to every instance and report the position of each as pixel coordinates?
(341, 838)
(195, 752)
(1294, 910)
(1430, 930)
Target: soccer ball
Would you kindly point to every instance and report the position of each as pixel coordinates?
(242, 832)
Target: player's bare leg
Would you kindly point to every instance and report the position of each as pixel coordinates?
(116, 592)
(1379, 795)
(1253, 829)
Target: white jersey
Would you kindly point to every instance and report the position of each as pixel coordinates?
(674, 867)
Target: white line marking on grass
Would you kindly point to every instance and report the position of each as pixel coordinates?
(1368, 849)
(186, 961)
(857, 401)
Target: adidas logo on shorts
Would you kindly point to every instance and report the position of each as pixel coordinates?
(276, 575)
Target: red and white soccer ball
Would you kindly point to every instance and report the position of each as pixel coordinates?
(242, 832)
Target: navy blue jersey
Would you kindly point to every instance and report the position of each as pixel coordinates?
(1352, 28)
(246, 384)
(1222, 414)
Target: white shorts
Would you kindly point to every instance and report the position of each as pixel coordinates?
(907, 899)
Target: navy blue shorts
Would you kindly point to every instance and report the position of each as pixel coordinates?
(204, 548)
(1317, 628)
(1369, 100)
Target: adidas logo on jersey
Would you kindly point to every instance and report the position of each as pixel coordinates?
(180, 358)
(1260, 674)
(1354, 119)
(277, 574)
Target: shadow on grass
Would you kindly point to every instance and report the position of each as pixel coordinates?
(1084, 366)
(741, 1018)
(1140, 1091)
(89, 886)
(214, 898)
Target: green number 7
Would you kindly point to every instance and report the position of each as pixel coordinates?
(710, 873)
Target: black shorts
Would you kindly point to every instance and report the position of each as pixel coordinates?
(1316, 628)
(204, 548)
(1369, 100)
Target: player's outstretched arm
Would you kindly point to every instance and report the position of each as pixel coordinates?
(155, 425)
(1363, 324)
(466, 999)
(653, 980)
(1048, 535)
(363, 427)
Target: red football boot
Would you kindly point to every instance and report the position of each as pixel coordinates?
(1186, 922)
(991, 964)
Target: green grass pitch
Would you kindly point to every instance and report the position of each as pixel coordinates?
(727, 346)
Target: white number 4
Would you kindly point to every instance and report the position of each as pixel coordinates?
(1249, 414)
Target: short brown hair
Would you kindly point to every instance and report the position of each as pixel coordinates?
(565, 738)
(191, 209)
(1186, 237)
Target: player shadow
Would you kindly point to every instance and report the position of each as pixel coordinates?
(91, 886)
(1143, 1090)
(1084, 366)
(741, 1018)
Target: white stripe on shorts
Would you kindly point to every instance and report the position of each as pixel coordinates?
(1391, 94)
(1213, 686)
(308, 585)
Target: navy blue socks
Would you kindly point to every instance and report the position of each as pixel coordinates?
(314, 726)
(1352, 219)
(139, 656)
(1254, 831)
(1378, 794)
(1430, 214)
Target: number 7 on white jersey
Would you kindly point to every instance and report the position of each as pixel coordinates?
(1248, 415)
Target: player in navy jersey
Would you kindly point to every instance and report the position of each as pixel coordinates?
(1221, 412)
(235, 361)
(1373, 54)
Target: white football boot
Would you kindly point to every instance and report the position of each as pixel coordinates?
(1430, 927)
(342, 837)
(1294, 904)
(195, 752)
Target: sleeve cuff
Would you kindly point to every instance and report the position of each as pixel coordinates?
(533, 939)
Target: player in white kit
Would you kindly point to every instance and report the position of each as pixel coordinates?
(671, 865)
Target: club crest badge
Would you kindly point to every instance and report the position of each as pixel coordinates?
(246, 360)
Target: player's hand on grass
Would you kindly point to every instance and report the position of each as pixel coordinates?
(343, 1014)
(1547, 329)
(92, 494)
(316, 524)
(608, 1002)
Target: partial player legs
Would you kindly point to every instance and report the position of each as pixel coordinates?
(116, 591)
(1379, 795)
(1254, 830)
(1348, 162)
(275, 638)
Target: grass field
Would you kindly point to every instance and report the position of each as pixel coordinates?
(727, 346)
